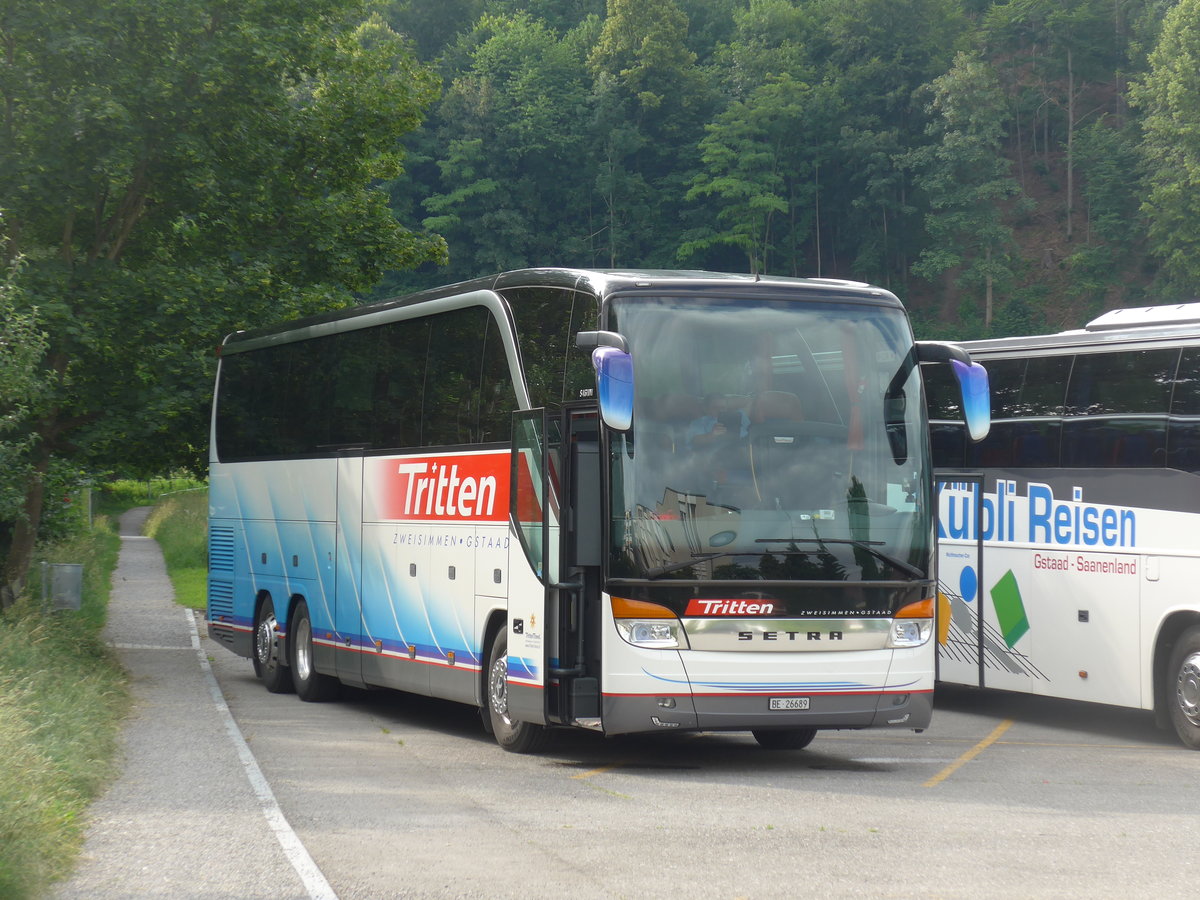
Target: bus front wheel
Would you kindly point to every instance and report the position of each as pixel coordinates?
(267, 664)
(311, 685)
(784, 738)
(514, 736)
(1184, 688)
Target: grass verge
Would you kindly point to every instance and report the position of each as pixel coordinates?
(179, 523)
(62, 698)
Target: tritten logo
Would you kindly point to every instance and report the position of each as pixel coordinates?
(464, 488)
(697, 607)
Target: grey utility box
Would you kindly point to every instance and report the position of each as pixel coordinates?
(62, 585)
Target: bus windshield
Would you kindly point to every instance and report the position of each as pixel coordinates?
(771, 441)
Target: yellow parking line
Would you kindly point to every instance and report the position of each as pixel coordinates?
(970, 754)
(599, 771)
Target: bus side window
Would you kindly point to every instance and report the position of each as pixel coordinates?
(399, 383)
(1183, 435)
(1005, 378)
(354, 362)
(1117, 406)
(497, 396)
(1037, 433)
(451, 406)
(468, 392)
(547, 320)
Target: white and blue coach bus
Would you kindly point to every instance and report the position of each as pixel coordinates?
(1070, 558)
(622, 501)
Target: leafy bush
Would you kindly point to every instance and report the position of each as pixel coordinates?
(179, 523)
(62, 697)
(125, 493)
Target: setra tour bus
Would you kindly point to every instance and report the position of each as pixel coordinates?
(621, 501)
(1069, 562)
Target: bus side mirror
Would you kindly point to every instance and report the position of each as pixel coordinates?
(614, 386)
(614, 376)
(976, 398)
(972, 383)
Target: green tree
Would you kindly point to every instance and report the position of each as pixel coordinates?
(1068, 54)
(172, 172)
(22, 384)
(651, 101)
(967, 180)
(514, 192)
(761, 160)
(1169, 97)
(878, 54)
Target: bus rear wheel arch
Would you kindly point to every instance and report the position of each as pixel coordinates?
(311, 685)
(268, 656)
(1183, 687)
(511, 734)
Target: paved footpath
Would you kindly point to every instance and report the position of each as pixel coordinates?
(190, 815)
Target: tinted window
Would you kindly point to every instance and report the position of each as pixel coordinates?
(435, 380)
(1117, 407)
(468, 393)
(547, 321)
(1130, 383)
(1183, 438)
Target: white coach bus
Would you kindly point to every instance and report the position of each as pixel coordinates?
(466, 493)
(1070, 560)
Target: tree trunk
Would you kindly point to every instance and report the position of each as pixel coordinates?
(817, 212)
(25, 530)
(988, 297)
(1070, 143)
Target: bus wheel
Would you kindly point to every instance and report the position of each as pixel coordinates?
(784, 738)
(267, 665)
(517, 737)
(311, 685)
(1185, 688)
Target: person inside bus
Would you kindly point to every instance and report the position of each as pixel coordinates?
(720, 417)
(718, 440)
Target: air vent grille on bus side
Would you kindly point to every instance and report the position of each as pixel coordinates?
(220, 599)
(220, 550)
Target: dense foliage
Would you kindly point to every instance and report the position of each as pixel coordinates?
(170, 173)
(982, 159)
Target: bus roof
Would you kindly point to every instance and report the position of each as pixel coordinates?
(1165, 324)
(598, 282)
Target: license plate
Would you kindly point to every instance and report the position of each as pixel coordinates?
(789, 703)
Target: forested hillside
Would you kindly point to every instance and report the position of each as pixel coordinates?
(993, 163)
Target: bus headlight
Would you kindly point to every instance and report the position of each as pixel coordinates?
(648, 625)
(912, 625)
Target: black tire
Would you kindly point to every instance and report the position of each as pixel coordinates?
(1183, 688)
(514, 736)
(268, 661)
(311, 686)
(784, 738)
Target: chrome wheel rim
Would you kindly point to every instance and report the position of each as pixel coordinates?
(498, 692)
(264, 640)
(303, 638)
(1187, 688)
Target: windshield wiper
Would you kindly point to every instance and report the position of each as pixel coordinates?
(868, 546)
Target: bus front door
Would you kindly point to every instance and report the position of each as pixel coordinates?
(556, 506)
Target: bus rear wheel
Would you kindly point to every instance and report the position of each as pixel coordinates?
(311, 685)
(1184, 688)
(268, 665)
(514, 736)
(784, 738)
